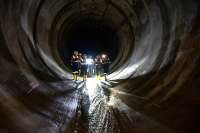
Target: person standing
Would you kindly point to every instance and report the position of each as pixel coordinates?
(84, 67)
(105, 64)
(80, 56)
(90, 62)
(75, 63)
(98, 63)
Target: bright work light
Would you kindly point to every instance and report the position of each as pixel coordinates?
(103, 56)
(89, 61)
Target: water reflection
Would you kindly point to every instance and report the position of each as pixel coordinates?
(97, 108)
(101, 110)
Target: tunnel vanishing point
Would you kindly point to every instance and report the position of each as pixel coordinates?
(154, 81)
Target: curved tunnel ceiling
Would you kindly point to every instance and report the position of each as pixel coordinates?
(154, 81)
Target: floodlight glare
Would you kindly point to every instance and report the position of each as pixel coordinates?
(103, 56)
(89, 61)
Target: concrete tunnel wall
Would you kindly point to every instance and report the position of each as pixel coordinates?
(158, 61)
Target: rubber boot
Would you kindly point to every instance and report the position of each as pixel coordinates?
(76, 77)
(83, 77)
(105, 77)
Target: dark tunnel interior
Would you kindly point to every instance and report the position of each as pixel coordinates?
(154, 79)
(89, 35)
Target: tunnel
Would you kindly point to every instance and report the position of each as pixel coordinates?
(153, 84)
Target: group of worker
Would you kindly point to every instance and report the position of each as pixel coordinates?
(84, 65)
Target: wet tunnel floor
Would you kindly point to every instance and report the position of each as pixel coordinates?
(99, 110)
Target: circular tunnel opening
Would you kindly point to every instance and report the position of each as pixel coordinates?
(91, 36)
